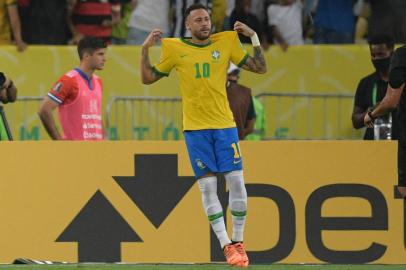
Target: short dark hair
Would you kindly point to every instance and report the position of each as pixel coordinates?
(386, 39)
(89, 45)
(194, 7)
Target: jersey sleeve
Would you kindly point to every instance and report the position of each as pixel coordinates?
(238, 54)
(64, 91)
(166, 62)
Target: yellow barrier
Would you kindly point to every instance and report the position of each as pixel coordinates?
(309, 202)
(304, 69)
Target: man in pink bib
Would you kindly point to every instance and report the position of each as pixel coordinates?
(78, 96)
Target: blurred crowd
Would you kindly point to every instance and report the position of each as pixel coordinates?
(280, 22)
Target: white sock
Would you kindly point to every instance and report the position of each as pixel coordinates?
(237, 203)
(213, 209)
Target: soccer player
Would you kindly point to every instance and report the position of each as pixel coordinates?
(209, 128)
(78, 94)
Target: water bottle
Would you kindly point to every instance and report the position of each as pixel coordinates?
(383, 128)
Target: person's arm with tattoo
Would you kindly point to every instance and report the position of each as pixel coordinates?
(257, 62)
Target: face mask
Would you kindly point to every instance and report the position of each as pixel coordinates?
(382, 65)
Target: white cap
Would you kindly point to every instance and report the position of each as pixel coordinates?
(232, 68)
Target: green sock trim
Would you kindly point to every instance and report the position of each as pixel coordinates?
(215, 216)
(239, 214)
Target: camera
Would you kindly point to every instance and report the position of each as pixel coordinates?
(8, 92)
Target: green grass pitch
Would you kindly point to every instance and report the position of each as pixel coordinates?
(198, 267)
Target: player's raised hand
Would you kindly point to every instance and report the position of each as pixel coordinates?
(152, 38)
(242, 28)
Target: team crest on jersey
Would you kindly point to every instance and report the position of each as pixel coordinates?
(216, 55)
(57, 87)
(200, 164)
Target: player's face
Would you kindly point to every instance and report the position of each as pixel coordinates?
(97, 59)
(199, 24)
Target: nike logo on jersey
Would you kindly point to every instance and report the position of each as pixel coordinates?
(183, 55)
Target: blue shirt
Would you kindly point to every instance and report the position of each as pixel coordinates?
(336, 15)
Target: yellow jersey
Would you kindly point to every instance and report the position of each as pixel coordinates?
(202, 70)
(5, 28)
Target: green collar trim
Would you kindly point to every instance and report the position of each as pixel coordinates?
(242, 62)
(186, 40)
(159, 73)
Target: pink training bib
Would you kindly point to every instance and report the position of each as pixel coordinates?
(82, 119)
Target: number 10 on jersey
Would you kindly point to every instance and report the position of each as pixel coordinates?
(203, 69)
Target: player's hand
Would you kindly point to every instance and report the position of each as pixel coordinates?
(242, 28)
(152, 38)
(76, 38)
(368, 122)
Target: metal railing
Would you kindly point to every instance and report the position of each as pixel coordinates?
(23, 119)
(308, 116)
(289, 116)
(144, 118)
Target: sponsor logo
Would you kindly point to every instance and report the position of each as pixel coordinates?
(236, 161)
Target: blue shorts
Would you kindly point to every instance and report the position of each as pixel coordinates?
(213, 150)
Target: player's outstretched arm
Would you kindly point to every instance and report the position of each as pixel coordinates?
(147, 74)
(257, 62)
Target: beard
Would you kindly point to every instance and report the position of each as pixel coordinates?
(201, 36)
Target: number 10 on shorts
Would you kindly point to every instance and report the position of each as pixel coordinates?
(237, 151)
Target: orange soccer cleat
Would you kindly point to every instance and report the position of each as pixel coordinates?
(232, 255)
(244, 261)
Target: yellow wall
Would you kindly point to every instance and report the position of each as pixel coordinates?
(44, 185)
(306, 69)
